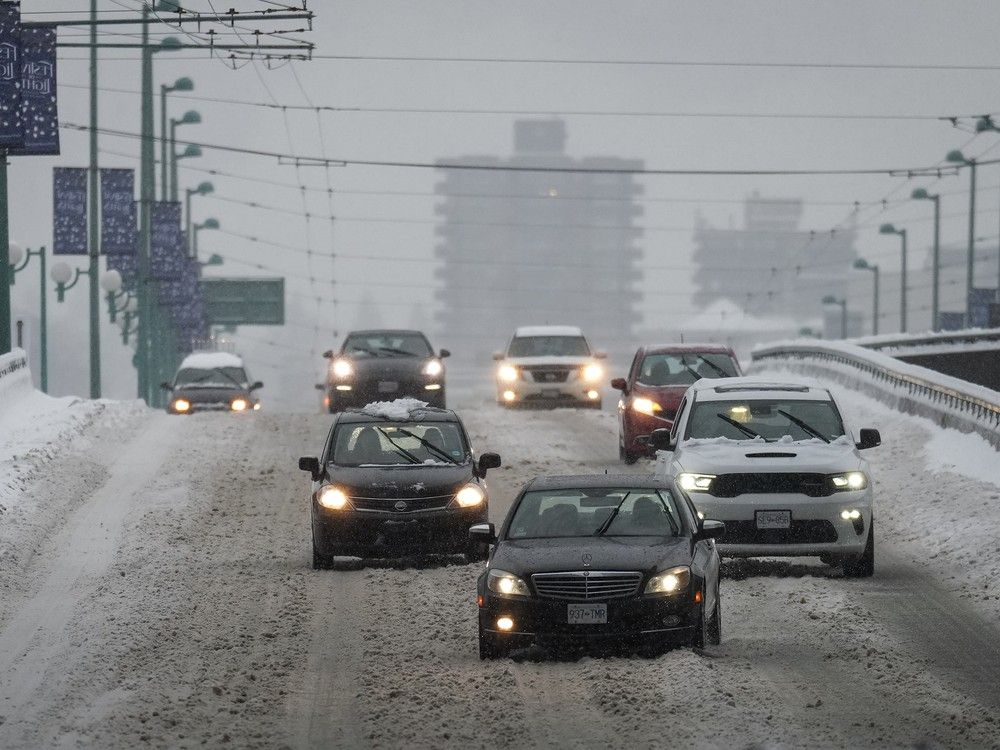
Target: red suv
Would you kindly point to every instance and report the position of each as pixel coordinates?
(657, 380)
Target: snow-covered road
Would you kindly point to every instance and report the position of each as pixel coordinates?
(166, 599)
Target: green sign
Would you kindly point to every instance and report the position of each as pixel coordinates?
(244, 302)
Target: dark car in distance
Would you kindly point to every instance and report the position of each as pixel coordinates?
(384, 365)
(397, 477)
(656, 382)
(599, 559)
(212, 381)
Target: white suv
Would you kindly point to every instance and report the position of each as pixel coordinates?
(549, 365)
(775, 462)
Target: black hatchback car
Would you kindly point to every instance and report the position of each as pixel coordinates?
(397, 477)
(383, 365)
(212, 381)
(599, 559)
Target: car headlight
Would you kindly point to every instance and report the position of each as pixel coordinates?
(181, 404)
(238, 404)
(668, 582)
(645, 405)
(470, 496)
(332, 498)
(593, 373)
(849, 481)
(506, 584)
(433, 368)
(695, 482)
(508, 373)
(342, 368)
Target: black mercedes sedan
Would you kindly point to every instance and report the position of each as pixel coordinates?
(599, 559)
(384, 364)
(397, 478)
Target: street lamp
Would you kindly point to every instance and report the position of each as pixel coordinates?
(181, 84)
(920, 194)
(207, 224)
(19, 260)
(890, 229)
(831, 300)
(863, 265)
(982, 125)
(956, 157)
(189, 118)
(214, 260)
(203, 188)
(66, 278)
(111, 282)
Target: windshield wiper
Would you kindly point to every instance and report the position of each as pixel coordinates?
(742, 428)
(393, 350)
(804, 425)
(227, 376)
(714, 366)
(399, 449)
(607, 524)
(693, 373)
(429, 446)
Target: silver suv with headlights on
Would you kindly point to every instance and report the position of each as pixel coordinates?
(549, 366)
(775, 462)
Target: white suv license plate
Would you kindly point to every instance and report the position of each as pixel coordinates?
(587, 614)
(388, 386)
(773, 519)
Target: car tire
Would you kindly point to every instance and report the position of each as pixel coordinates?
(701, 637)
(321, 562)
(715, 625)
(491, 647)
(626, 456)
(864, 566)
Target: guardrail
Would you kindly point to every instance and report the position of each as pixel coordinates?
(948, 401)
(902, 340)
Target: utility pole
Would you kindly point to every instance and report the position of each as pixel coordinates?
(5, 271)
(93, 246)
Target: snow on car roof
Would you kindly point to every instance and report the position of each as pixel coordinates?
(725, 389)
(547, 331)
(695, 347)
(211, 360)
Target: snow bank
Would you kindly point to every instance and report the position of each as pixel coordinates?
(15, 377)
(398, 409)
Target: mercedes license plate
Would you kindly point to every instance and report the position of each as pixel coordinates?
(773, 519)
(388, 386)
(587, 614)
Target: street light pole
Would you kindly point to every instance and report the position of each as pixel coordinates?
(181, 84)
(831, 300)
(43, 323)
(209, 223)
(203, 188)
(922, 194)
(93, 245)
(190, 118)
(863, 265)
(957, 157)
(890, 229)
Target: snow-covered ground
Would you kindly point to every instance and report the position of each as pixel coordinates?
(167, 600)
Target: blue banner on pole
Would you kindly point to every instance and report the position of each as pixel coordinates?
(39, 109)
(11, 116)
(128, 267)
(118, 227)
(167, 254)
(69, 211)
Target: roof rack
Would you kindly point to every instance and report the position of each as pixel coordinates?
(761, 387)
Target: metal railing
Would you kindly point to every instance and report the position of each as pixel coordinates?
(949, 405)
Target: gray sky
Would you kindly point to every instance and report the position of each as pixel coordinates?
(901, 32)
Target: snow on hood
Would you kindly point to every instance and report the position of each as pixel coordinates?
(399, 409)
(551, 359)
(724, 456)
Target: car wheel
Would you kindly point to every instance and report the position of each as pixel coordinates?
(864, 566)
(627, 456)
(715, 626)
(321, 562)
(491, 647)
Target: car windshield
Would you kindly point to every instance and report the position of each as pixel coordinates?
(548, 346)
(684, 369)
(771, 419)
(398, 444)
(386, 344)
(545, 514)
(215, 377)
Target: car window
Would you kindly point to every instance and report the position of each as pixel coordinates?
(213, 377)
(581, 512)
(548, 346)
(389, 444)
(384, 344)
(677, 421)
(772, 419)
(684, 369)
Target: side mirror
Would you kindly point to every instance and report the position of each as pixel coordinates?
(870, 438)
(320, 387)
(310, 464)
(166, 386)
(497, 356)
(487, 461)
(660, 439)
(328, 354)
(600, 354)
(444, 354)
(483, 532)
(619, 384)
(710, 530)
(256, 385)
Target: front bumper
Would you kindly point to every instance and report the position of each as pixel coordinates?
(573, 390)
(443, 531)
(817, 527)
(361, 394)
